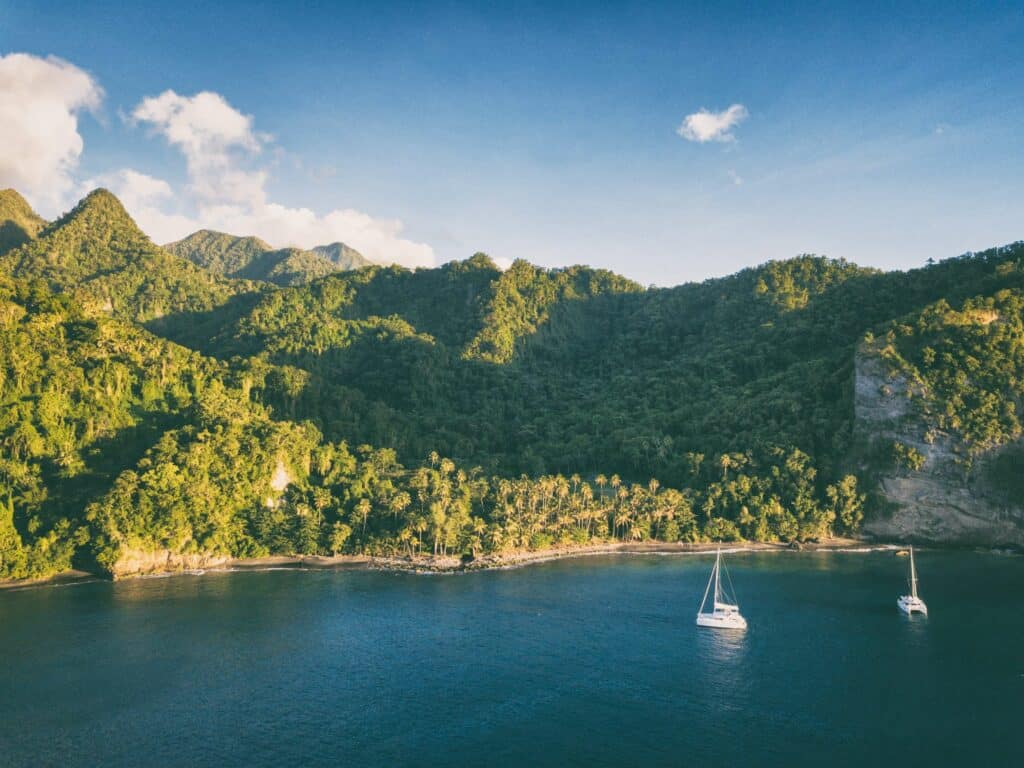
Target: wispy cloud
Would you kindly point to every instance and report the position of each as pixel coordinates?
(704, 126)
(736, 178)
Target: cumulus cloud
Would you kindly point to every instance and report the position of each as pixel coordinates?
(219, 143)
(378, 239)
(40, 100)
(705, 126)
(40, 147)
(215, 139)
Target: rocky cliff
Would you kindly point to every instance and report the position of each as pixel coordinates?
(950, 498)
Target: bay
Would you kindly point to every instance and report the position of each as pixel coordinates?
(594, 661)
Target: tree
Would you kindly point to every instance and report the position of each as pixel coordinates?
(340, 534)
(847, 503)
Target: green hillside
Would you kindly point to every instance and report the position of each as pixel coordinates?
(219, 253)
(342, 256)
(18, 222)
(97, 254)
(581, 371)
(462, 409)
(250, 258)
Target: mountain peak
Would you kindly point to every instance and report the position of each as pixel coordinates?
(207, 238)
(18, 222)
(253, 259)
(96, 236)
(343, 256)
(12, 201)
(98, 215)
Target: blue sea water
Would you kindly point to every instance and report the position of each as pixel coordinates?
(594, 661)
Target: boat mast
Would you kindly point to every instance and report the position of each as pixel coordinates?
(718, 571)
(707, 589)
(913, 575)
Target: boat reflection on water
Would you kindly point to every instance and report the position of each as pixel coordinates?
(723, 647)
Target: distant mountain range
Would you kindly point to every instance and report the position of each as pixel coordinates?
(216, 398)
(252, 259)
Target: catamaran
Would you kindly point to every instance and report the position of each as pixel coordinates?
(725, 613)
(911, 603)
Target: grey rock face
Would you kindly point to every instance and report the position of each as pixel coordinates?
(949, 500)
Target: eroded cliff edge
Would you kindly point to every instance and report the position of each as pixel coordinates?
(952, 497)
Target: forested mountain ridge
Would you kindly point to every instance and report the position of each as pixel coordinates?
(97, 254)
(252, 259)
(318, 418)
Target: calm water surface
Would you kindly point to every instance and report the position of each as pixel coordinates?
(593, 662)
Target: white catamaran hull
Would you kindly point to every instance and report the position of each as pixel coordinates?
(909, 605)
(721, 620)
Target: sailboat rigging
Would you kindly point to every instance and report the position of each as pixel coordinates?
(725, 612)
(911, 603)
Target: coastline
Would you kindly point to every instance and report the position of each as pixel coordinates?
(437, 564)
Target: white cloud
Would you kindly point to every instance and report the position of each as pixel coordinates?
(377, 239)
(704, 126)
(218, 143)
(39, 104)
(736, 178)
(40, 146)
(215, 138)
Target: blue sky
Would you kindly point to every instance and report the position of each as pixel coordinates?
(883, 133)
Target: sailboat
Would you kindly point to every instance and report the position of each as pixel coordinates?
(911, 603)
(723, 614)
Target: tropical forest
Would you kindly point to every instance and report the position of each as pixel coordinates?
(219, 397)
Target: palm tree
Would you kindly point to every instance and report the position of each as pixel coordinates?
(622, 519)
(322, 499)
(406, 538)
(399, 502)
(363, 510)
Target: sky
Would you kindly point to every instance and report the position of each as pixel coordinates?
(668, 142)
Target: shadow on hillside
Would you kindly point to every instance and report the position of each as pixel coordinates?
(766, 354)
(199, 330)
(104, 460)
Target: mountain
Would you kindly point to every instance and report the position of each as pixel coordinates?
(154, 415)
(576, 370)
(219, 253)
(342, 256)
(252, 259)
(18, 222)
(97, 254)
